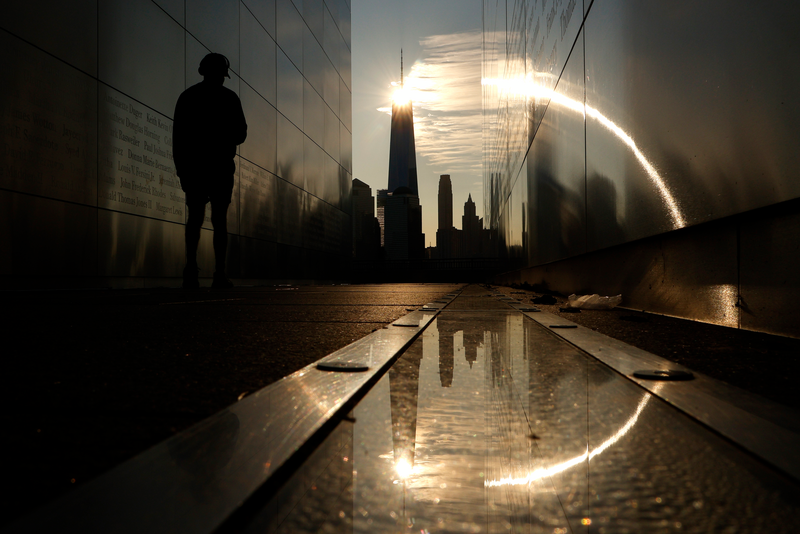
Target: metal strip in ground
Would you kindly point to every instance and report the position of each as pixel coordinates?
(194, 481)
(739, 416)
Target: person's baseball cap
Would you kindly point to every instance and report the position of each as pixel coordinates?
(214, 65)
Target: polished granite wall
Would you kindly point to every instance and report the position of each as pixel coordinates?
(660, 131)
(88, 190)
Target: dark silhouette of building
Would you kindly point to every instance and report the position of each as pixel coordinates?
(403, 236)
(402, 151)
(472, 233)
(473, 338)
(366, 228)
(472, 241)
(445, 202)
(446, 234)
(402, 224)
(383, 194)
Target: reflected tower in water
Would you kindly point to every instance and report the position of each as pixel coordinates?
(473, 337)
(446, 353)
(404, 395)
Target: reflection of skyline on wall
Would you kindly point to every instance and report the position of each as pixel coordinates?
(596, 153)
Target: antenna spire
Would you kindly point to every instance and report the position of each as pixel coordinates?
(401, 68)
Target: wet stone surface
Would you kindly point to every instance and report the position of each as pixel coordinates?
(760, 363)
(493, 424)
(99, 376)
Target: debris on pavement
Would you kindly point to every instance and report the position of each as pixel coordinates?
(594, 302)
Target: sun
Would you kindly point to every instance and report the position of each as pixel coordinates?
(401, 97)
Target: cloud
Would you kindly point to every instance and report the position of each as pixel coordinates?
(445, 88)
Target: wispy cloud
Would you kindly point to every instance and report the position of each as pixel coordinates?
(445, 88)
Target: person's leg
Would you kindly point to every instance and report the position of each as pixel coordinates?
(196, 211)
(219, 219)
(220, 200)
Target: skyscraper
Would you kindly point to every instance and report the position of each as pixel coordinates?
(402, 236)
(445, 202)
(445, 233)
(471, 231)
(402, 152)
(470, 222)
(366, 229)
(472, 241)
(383, 194)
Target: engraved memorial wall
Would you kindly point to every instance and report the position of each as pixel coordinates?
(137, 174)
(49, 122)
(609, 122)
(86, 161)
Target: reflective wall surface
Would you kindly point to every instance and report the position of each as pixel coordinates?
(606, 122)
(87, 122)
(495, 425)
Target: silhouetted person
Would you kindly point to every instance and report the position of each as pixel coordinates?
(209, 124)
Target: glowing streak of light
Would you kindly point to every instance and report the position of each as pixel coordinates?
(530, 89)
(541, 473)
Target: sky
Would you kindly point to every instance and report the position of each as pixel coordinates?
(441, 44)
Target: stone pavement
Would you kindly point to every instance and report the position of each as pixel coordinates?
(763, 364)
(94, 377)
(97, 376)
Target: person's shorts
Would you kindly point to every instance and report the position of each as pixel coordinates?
(217, 191)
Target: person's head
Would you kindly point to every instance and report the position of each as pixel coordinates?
(214, 68)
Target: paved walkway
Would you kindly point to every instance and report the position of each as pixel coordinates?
(763, 364)
(486, 402)
(94, 377)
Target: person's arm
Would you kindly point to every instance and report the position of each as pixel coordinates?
(178, 137)
(240, 125)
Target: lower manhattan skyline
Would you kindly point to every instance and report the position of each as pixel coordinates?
(442, 52)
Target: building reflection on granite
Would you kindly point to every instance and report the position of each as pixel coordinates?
(497, 426)
(404, 393)
(457, 342)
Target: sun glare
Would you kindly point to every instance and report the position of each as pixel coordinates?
(401, 97)
(403, 468)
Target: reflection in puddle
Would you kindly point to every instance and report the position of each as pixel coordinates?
(555, 469)
(496, 425)
(454, 410)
